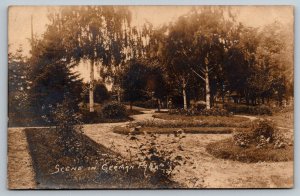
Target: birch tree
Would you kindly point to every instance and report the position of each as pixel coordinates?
(95, 34)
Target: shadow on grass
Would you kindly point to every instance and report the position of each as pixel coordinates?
(226, 149)
(99, 168)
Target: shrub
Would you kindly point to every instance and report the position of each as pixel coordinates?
(245, 109)
(263, 128)
(261, 143)
(68, 125)
(90, 117)
(101, 93)
(113, 110)
(260, 135)
(150, 104)
(203, 112)
(159, 162)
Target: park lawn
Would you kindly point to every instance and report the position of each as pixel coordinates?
(167, 120)
(186, 130)
(232, 119)
(226, 149)
(88, 172)
(284, 119)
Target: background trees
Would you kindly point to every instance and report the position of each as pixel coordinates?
(50, 74)
(204, 55)
(133, 82)
(96, 34)
(18, 84)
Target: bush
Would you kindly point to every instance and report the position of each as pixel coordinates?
(261, 143)
(203, 112)
(260, 135)
(101, 93)
(245, 109)
(149, 104)
(68, 124)
(90, 117)
(159, 163)
(113, 110)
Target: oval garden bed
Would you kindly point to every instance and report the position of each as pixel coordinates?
(170, 130)
(226, 149)
(261, 143)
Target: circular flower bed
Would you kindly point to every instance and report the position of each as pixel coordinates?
(261, 143)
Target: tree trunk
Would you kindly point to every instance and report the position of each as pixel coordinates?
(207, 88)
(119, 94)
(184, 94)
(91, 90)
(159, 104)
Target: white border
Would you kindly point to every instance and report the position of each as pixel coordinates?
(3, 98)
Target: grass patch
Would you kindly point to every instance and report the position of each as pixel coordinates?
(48, 157)
(96, 117)
(231, 119)
(187, 130)
(226, 149)
(177, 121)
(134, 112)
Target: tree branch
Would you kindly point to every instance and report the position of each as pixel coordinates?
(198, 74)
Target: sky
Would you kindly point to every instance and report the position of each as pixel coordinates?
(19, 21)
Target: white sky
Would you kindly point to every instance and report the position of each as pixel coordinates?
(20, 19)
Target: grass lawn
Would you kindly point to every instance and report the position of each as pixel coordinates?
(101, 168)
(284, 119)
(226, 149)
(176, 121)
(187, 130)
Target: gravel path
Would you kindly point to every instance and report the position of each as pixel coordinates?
(204, 170)
(20, 172)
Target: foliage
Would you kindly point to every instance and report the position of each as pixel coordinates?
(261, 143)
(113, 110)
(101, 93)
(178, 121)
(133, 81)
(51, 76)
(68, 124)
(246, 109)
(160, 162)
(171, 130)
(226, 149)
(48, 157)
(18, 85)
(260, 135)
(146, 104)
(215, 111)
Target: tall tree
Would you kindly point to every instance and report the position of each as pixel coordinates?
(134, 81)
(95, 34)
(18, 85)
(51, 75)
(210, 29)
(177, 44)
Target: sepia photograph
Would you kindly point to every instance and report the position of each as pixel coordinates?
(150, 97)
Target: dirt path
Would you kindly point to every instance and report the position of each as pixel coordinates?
(20, 171)
(203, 170)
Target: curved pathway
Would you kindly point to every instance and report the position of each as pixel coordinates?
(202, 170)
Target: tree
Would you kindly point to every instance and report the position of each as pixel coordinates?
(210, 30)
(95, 34)
(156, 82)
(176, 60)
(101, 93)
(51, 75)
(18, 85)
(134, 82)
